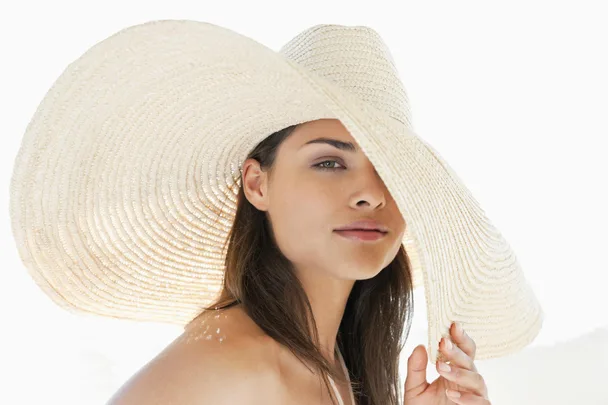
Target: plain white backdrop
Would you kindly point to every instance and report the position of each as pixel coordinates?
(514, 95)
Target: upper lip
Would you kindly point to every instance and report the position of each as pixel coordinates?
(369, 225)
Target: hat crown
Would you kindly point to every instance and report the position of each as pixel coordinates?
(356, 59)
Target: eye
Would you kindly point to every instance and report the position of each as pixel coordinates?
(323, 166)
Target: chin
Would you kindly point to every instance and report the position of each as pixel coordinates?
(358, 272)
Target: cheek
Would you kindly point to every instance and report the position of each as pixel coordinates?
(302, 222)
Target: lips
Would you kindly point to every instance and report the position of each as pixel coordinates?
(360, 229)
(361, 234)
(364, 225)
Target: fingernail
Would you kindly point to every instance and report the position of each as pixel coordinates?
(444, 367)
(459, 328)
(448, 344)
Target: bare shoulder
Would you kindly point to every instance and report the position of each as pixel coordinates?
(217, 360)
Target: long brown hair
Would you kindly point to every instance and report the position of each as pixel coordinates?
(378, 310)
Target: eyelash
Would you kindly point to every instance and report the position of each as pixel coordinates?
(327, 168)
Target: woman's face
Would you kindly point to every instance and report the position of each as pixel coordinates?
(306, 203)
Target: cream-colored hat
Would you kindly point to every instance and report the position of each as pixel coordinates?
(124, 188)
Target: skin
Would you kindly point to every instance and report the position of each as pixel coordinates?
(463, 378)
(305, 205)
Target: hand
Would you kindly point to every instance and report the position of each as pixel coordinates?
(463, 377)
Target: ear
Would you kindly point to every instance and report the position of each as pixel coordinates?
(255, 184)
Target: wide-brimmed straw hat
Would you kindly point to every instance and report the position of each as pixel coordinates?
(124, 187)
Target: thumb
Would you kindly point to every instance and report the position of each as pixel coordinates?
(415, 382)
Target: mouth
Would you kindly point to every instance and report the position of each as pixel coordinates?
(364, 235)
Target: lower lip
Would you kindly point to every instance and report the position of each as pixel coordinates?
(361, 235)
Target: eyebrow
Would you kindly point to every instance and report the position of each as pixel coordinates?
(347, 146)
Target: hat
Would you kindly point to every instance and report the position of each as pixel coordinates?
(124, 187)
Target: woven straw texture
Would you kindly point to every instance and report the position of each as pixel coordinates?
(124, 187)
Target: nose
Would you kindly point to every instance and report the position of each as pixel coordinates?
(371, 192)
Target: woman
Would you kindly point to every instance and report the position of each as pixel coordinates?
(180, 172)
(288, 262)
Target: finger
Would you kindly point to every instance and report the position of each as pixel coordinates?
(456, 356)
(464, 341)
(467, 379)
(467, 398)
(415, 381)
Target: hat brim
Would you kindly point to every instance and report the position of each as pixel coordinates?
(123, 188)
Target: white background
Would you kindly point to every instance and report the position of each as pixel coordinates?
(513, 94)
